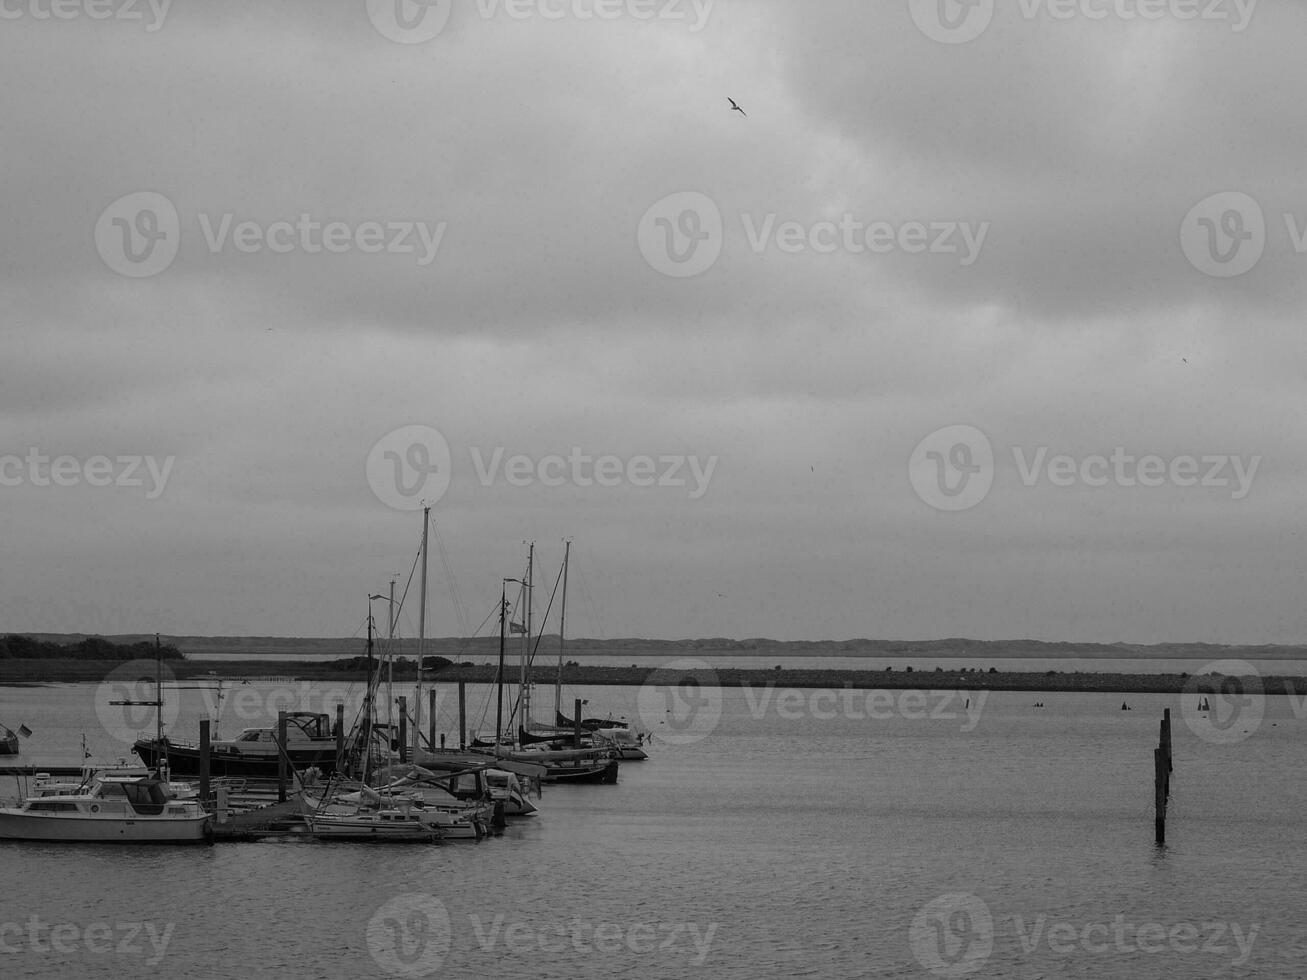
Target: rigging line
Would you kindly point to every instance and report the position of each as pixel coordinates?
(393, 649)
(590, 604)
(545, 619)
(463, 650)
(476, 722)
(450, 578)
(358, 629)
(489, 616)
(399, 606)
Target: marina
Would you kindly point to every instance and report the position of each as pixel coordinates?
(361, 782)
(653, 490)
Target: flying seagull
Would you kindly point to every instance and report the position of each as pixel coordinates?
(735, 107)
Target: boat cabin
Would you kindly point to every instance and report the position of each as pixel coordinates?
(110, 797)
(301, 726)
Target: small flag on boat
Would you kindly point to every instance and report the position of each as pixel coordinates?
(24, 731)
(516, 627)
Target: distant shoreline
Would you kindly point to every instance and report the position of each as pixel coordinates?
(459, 649)
(24, 673)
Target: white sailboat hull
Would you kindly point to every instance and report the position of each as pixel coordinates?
(349, 828)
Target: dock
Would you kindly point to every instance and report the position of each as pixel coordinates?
(29, 771)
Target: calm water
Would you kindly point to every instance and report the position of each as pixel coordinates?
(794, 838)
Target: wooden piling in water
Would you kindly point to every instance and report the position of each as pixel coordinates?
(340, 737)
(462, 715)
(282, 758)
(576, 725)
(1162, 766)
(403, 729)
(204, 762)
(1166, 746)
(431, 719)
(1158, 799)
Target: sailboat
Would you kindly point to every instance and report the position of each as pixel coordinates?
(365, 814)
(616, 737)
(578, 765)
(454, 789)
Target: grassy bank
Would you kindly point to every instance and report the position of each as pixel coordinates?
(24, 672)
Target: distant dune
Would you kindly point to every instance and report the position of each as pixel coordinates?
(458, 649)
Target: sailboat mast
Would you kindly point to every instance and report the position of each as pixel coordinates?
(367, 702)
(158, 696)
(562, 624)
(503, 614)
(525, 718)
(390, 660)
(422, 635)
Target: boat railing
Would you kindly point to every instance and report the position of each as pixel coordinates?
(177, 743)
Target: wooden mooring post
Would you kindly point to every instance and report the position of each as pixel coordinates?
(283, 776)
(431, 720)
(462, 715)
(204, 762)
(403, 729)
(1162, 778)
(340, 738)
(576, 725)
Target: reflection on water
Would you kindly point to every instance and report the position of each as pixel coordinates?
(787, 841)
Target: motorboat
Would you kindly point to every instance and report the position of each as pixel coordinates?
(119, 809)
(310, 741)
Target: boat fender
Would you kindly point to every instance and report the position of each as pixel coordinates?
(95, 808)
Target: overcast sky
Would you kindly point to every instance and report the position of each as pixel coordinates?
(833, 347)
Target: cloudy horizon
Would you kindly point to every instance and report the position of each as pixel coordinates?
(980, 319)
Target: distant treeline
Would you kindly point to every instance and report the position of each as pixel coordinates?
(16, 647)
(401, 665)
